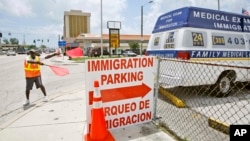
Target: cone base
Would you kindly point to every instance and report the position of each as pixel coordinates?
(109, 137)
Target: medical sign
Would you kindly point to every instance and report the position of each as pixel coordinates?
(202, 18)
(126, 87)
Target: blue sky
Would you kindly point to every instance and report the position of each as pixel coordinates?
(32, 19)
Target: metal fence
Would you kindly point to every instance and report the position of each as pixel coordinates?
(196, 111)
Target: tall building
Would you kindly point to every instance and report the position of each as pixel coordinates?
(75, 23)
(77, 34)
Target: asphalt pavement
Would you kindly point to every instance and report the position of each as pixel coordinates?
(63, 118)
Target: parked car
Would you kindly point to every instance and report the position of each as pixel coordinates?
(4, 52)
(20, 50)
(129, 54)
(96, 52)
(11, 53)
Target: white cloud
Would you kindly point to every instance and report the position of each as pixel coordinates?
(112, 10)
(18, 8)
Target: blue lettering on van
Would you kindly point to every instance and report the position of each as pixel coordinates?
(219, 54)
(162, 53)
(201, 53)
(202, 18)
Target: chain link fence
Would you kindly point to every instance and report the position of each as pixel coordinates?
(199, 100)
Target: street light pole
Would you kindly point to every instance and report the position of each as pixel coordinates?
(141, 29)
(219, 5)
(101, 32)
(142, 25)
(83, 47)
(0, 42)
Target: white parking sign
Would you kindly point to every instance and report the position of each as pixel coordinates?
(126, 86)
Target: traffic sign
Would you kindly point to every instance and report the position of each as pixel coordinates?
(126, 87)
(62, 43)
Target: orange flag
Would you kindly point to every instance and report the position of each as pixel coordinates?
(75, 53)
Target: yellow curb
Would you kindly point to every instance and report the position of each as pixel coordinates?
(176, 101)
(218, 125)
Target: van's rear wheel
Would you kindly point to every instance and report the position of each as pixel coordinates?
(224, 84)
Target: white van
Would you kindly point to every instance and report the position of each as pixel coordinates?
(216, 42)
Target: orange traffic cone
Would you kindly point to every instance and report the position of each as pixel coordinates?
(98, 129)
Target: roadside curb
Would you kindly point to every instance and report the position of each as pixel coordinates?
(175, 100)
(219, 125)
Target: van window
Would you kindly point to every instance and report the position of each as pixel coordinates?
(156, 41)
(248, 41)
(195, 39)
(170, 40)
(228, 40)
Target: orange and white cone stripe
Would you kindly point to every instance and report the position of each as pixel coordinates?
(97, 99)
(98, 130)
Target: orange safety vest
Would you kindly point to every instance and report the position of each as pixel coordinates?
(32, 70)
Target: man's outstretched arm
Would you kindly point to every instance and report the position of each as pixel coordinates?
(52, 55)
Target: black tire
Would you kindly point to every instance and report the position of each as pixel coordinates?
(224, 84)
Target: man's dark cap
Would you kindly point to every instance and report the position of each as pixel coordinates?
(34, 51)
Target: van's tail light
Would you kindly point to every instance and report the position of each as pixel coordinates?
(184, 55)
